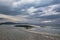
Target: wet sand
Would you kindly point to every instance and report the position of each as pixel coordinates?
(13, 33)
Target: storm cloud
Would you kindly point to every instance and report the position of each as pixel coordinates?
(31, 11)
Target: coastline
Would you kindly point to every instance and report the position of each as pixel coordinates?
(13, 33)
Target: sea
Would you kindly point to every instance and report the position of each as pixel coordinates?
(45, 29)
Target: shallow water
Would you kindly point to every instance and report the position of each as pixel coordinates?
(46, 29)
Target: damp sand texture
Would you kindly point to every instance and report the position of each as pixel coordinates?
(13, 33)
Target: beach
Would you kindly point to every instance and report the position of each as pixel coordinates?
(14, 33)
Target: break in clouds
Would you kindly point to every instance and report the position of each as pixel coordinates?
(30, 11)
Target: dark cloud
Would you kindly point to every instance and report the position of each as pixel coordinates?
(57, 9)
(45, 8)
(7, 9)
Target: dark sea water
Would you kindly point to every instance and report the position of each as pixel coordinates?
(46, 29)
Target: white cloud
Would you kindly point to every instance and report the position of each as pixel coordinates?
(49, 10)
(23, 10)
(47, 21)
(13, 18)
(35, 2)
(22, 2)
(16, 4)
(31, 10)
(46, 11)
(5, 0)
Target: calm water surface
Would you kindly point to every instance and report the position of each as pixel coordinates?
(48, 29)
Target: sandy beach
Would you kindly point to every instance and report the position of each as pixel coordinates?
(13, 33)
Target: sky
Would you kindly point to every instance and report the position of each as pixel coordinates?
(30, 11)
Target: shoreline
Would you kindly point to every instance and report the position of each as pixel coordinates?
(44, 33)
(13, 33)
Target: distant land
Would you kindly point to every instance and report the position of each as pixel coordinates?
(42, 24)
(9, 23)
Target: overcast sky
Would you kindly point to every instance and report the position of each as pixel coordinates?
(30, 11)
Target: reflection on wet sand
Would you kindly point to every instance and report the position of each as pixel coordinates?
(17, 33)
